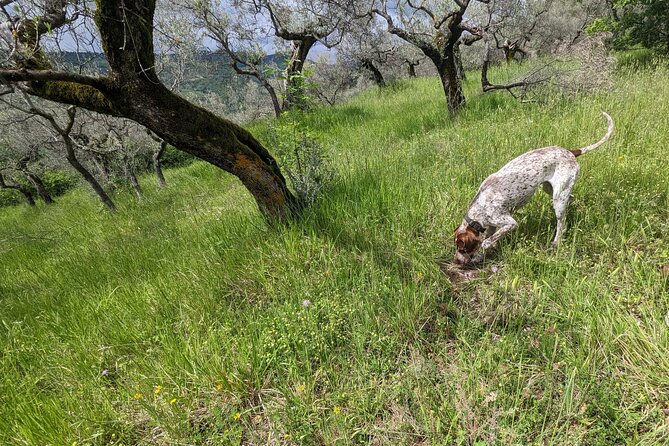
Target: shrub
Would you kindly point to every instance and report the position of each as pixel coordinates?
(301, 157)
(9, 197)
(57, 182)
(176, 158)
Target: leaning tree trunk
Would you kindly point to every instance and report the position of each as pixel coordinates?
(39, 186)
(273, 96)
(27, 195)
(157, 168)
(71, 158)
(129, 172)
(133, 90)
(377, 76)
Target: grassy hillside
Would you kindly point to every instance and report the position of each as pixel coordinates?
(183, 319)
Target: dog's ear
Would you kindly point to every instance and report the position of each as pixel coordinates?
(467, 240)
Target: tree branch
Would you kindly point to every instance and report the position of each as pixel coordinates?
(422, 7)
(23, 75)
(487, 86)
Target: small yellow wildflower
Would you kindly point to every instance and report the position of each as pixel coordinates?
(157, 389)
(337, 410)
(219, 387)
(237, 416)
(226, 431)
(286, 436)
(137, 396)
(173, 400)
(301, 388)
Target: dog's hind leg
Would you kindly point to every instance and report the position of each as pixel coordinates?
(561, 200)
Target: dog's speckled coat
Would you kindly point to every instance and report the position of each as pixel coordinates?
(511, 188)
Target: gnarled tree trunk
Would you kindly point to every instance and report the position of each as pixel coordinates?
(133, 90)
(377, 76)
(39, 186)
(157, 168)
(450, 75)
(27, 194)
(294, 77)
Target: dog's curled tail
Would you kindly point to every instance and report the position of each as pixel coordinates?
(609, 132)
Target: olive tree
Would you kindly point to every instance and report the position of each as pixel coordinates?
(302, 24)
(132, 89)
(368, 47)
(242, 35)
(437, 28)
(634, 22)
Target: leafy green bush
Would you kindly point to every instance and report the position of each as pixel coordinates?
(176, 158)
(301, 157)
(58, 182)
(10, 197)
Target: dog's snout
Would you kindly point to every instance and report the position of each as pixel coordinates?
(461, 258)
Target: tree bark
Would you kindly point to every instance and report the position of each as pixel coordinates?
(457, 58)
(38, 184)
(451, 80)
(129, 172)
(377, 76)
(27, 195)
(133, 90)
(157, 168)
(294, 77)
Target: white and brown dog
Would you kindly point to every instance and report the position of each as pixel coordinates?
(488, 217)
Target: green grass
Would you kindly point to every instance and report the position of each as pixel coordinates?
(188, 290)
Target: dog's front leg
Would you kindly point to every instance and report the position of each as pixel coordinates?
(504, 226)
(490, 241)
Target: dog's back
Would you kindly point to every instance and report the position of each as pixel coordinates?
(513, 185)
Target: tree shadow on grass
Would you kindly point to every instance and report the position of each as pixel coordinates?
(356, 217)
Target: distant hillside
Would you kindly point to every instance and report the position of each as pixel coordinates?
(210, 72)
